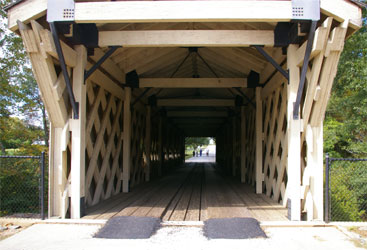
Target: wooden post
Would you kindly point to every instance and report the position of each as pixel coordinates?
(243, 145)
(294, 139)
(314, 140)
(55, 172)
(148, 142)
(259, 142)
(127, 141)
(160, 146)
(234, 146)
(78, 140)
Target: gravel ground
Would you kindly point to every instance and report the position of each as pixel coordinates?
(61, 237)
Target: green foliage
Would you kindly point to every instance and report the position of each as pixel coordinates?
(345, 125)
(345, 130)
(23, 122)
(19, 186)
(348, 191)
(19, 94)
(194, 142)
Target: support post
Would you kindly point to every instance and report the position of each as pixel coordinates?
(148, 142)
(160, 146)
(294, 139)
(42, 186)
(327, 163)
(243, 145)
(234, 146)
(315, 159)
(259, 142)
(77, 127)
(127, 141)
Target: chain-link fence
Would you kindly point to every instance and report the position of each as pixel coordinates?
(346, 189)
(22, 186)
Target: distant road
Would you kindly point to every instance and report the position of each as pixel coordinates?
(204, 158)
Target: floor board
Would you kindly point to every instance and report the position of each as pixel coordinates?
(195, 192)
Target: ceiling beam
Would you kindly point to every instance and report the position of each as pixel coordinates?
(192, 83)
(182, 11)
(25, 11)
(198, 120)
(195, 102)
(182, 38)
(192, 114)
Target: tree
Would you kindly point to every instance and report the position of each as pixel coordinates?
(19, 94)
(195, 142)
(346, 117)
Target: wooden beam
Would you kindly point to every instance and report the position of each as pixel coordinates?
(148, 142)
(259, 142)
(243, 144)
(191, 114)
(234, 146)
(48, 45)
(98, 77)
(127, 141)
(185, 11)
(160, 146)
(25, 11)
(193, 83)
(294, 139)
(177, 38)
(198, 119)
(78, 140)
(196, 102)
(342, 11)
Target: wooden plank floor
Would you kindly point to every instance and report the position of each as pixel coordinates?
(195, 192)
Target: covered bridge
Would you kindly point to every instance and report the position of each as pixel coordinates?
(124, 82)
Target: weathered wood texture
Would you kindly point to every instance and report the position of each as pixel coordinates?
(195, 192)
(104, 144)
(275, 143)
(321, 73)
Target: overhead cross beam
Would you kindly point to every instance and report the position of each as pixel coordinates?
(194, 114)
(196, 102)
(193, 83)
(186, 38)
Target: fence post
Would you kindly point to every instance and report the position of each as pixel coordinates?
(327, 161)
(42, 191)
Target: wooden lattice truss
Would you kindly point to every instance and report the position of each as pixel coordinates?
(115, 145)
(93, 143)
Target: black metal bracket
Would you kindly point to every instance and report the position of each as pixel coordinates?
(272, 61)
(131, 79)
(140, 96)
(246, 97)
(80, 33)
(74, 104)
(311, 37)
(100, 62)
